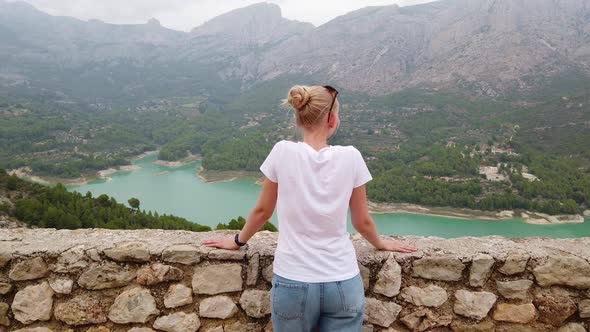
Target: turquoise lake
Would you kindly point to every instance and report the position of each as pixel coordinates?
(180, 192)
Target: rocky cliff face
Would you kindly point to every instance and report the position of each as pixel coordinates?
(485, 46)
(492, 44)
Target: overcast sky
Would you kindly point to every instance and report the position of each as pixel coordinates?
(187, 14)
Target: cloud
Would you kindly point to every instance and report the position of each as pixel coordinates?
(187, 14)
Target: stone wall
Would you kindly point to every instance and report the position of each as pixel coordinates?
(146, 280)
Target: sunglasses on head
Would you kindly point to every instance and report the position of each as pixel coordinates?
(334, 92)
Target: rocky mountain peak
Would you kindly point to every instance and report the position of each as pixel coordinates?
(154, 22)
(257, 23)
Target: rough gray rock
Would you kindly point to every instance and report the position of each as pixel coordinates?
(106, 276)
(381, 313)
(584, 309)
(365, 275)
(515, 262)
(572, 327)
(227, 255)
(515, 313)
(182, 253)
(61, 285)
(389, 278)
(480, 270)
(563, 269)
(28, 269)
(252, 272)
(267, 273)
(158, 273)
(425, 319)
(256, 303)
(517, 289)
(178, 322)
(135, 305)
(177, 296)
(4, 258)
(129, 252)
(554, 310)
(5, 288)
(444, 268)
(4, 320)
(216, 279)
(81, 310)
(217, 307)
(71, 261)
(474, 305)
(430, 296)
(33, 303)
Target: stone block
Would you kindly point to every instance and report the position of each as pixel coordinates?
(515, 313)
(565, 270)
(253, 268)
(129, 252)
(221, 307)
(584, 309)
(106, 276)
(134, 305)
(61, 285)
(227, 255)
(81, 310)
(365, 276)
(381, 313)
(4, 320)
(424, 320)
(480, 270)
(256, 303)
(177, 296)
(515, 290)
(72, 260)
(178, 322)
(430, 296)
(474, 305)
(216, 279)
(5, 288)
(389, 278)
(515, 262)
(554, 310)
(444, 268)
(572, 327)
(267, 273)
(158, 273)
(33, 303)
(28, 269)
(182, 254)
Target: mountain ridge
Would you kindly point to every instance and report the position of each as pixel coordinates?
(485, 47)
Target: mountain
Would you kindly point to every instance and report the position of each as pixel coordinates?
(490, 45)
(482, 47)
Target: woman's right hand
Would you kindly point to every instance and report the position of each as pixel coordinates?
(390, 245)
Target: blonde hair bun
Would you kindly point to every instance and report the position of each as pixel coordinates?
(298, 96)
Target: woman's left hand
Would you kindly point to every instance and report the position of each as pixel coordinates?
(225, 243)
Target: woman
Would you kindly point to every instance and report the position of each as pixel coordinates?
(316, 281)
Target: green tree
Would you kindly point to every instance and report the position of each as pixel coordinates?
(134, 203)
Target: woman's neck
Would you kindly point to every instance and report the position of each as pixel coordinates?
(315, 138)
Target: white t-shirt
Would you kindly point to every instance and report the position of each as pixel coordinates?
(314, 189)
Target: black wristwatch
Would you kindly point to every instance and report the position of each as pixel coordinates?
(237, 240)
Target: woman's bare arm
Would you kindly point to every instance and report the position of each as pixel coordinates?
(364, 224)
(259, 215)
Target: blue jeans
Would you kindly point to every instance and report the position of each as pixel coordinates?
(331, 306)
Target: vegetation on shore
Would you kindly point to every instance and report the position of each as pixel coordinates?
(55, 207)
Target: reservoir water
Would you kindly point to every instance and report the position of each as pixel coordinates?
(178, 191)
